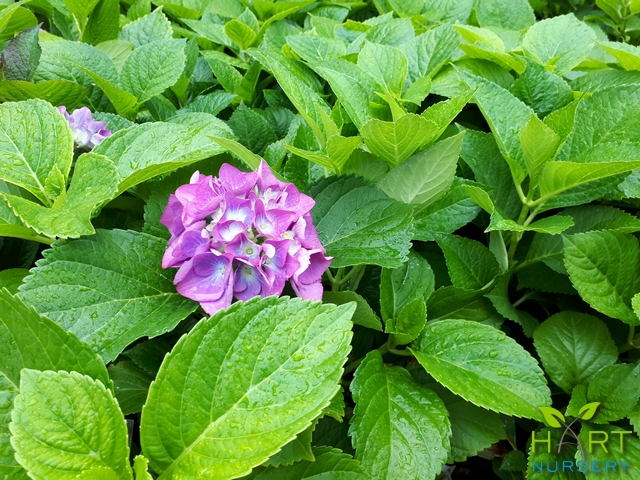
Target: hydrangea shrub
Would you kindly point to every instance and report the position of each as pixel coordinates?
(285, 240)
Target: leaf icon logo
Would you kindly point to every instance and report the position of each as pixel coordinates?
(553, 417)
(588, 411)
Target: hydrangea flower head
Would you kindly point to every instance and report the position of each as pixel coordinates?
(242, 235)
(86, 131)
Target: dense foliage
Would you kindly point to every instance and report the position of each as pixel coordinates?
(471, 168)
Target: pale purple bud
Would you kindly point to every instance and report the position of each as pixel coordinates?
(86, 131)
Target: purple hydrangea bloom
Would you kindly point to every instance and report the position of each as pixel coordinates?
(242, 235)
(86, 131)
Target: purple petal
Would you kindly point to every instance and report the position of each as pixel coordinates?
(172, 216)
(267, 180)
(223, 302)
(200, 199)
(207, 278)
(235, 181)
(187, 245)
(272, 223)
(242, 247)
(312, 291)
(237, 209)
(226, 232)
(249, 282)
(305, 232)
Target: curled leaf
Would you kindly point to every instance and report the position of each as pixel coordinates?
(588, 411)
(551, 416)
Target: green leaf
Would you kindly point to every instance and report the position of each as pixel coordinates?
(461, 304)
(617, 388)
(604, 122)
(354, 88)
(559, 43)
(499, 297)
(140, 467)
(624, 449)
(252, 129)
(451, 211)
(386, 64)
(539, 144)
(329, 463)
(628, 56)
(558, 177)
(588, 411)
(131, 385)
(409, 323)
(144, 151)
(470, 264)
(399, 428)
(506, 115)
(494, 373)
(117, 51)
(508, 14)
(443, 113)
(34, 138)
(90, 430)
(291, 77)
(241, 34)
(296, 450)
(363, 315)
(152, 68)
(429, 51)
(359, 224)
(551, 417)
(33, 341)
(245, 410)
(573, 347)
(95, 181)
(56, 92)
(426, 176)
(396, 141)
(12, 278)
(407, 8)
(80, 9)
(313, 48)
(151, 28)
(542, 90)
(103, 23)
(21, 56)
(603, 266)
(132, 297)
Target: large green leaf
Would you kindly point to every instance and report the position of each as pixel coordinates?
(109, 289)
(144, 151)
(131, 385)
(32, 341)
(559, 43)
(21, 56)
(152, 68)
(95, 181)
(396, 141)
(617, 388)
(573, 347)
(359, 224)
(603, 266)
(483, 366)
(329, 463)
(399, 428)
(429, 51)
(313, 48)
(470, 264)
(64, 424)
(363, 315)
(250, 379)
(427, 175)
(35, 139)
